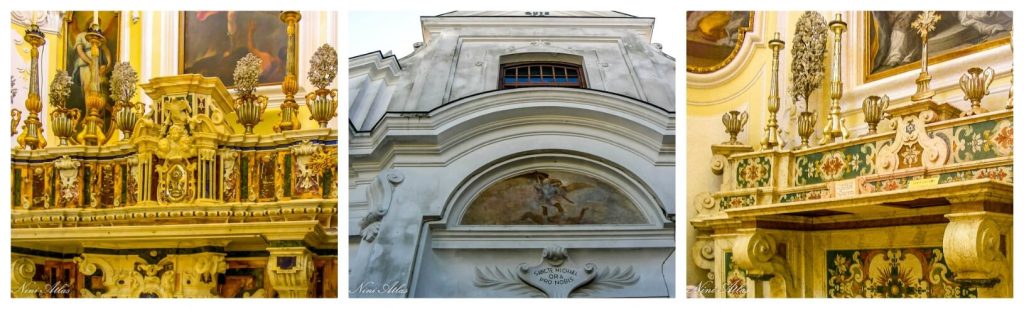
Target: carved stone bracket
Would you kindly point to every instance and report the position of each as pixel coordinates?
(291, 270)
(703, 253)
(380, 195)
(974, 247)
(721, 153)
(557, 276)
(911, 147)
(757, 253)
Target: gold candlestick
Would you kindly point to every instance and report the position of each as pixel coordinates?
(32, 133)
(94, 99)
(925, 23)
(290, 86)
(835, 125)
(772, 131)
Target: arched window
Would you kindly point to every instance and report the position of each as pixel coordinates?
(541, 74)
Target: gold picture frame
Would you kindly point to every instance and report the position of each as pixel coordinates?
(741, 37)
(277, 54)
(937, 56)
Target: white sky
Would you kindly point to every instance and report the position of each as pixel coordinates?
(398, 30)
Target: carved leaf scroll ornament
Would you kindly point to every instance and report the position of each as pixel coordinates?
(557, 276)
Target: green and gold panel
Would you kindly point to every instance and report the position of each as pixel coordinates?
(810, 195)
(735, 285)
(982, 140)
(736, 201)
(753, 172)
(891, 273)
(839, 164)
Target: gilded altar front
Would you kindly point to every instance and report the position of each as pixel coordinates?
(191, 194)
(908, 200)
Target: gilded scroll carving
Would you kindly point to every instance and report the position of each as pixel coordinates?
(22, 271)
(306, 180)
(67, 172)
(131, 276)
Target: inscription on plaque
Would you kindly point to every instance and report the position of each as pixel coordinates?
(923, 183)
(556, 276)
(845, 188)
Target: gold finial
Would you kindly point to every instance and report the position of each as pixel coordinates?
(925, 23)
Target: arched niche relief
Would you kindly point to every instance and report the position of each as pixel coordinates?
(549, 191)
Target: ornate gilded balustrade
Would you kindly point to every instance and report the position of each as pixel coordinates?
(184, 163)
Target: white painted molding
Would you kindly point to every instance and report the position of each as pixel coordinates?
(49, 21)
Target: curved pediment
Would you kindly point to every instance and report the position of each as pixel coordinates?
(547, 197)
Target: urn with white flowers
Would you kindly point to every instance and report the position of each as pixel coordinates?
(122, 89)
(63, 120)
(248, 104)
(323, 102)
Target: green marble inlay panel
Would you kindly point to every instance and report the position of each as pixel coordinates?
(753, 172)
(735, 285)
(891, 273)
(1001, 173)
(243, 179)
(839, 164)
(804, 196)
(17, 188)
(288, 175)
(982, 140)
(735, 201)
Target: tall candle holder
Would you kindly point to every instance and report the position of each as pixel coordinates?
(32, 133)
(94, 99)
(835, 126)
(290, 86)
(771, 130)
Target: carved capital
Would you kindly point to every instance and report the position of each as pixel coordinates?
(973, 245)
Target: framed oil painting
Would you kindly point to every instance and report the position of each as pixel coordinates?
(77, 54)
(211, 42)
(894, 47)
(713, 38)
